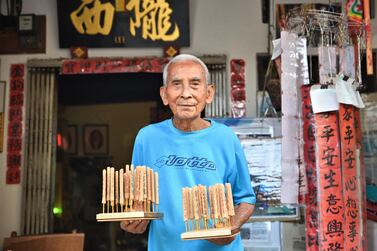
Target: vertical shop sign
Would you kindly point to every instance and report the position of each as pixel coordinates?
(311, 174)
(330, 187)
(350, 182)
(15, 124)
(237, 88)
(360, 167)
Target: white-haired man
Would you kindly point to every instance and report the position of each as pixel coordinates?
(188, 150)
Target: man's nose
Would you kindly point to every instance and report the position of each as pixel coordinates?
(186, 92)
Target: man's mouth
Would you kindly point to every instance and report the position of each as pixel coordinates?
(186, 105)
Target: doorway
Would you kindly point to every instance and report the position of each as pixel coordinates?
(113, 106)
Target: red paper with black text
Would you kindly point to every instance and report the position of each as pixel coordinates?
(311, 211)
(15, 124)
(363, 198)
(330, 196)
(350, 181)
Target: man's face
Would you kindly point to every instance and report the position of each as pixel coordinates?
(186, 91)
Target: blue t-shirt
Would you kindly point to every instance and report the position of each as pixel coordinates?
(185, 159)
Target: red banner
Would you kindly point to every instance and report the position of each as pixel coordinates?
(330, 188)
(311, 173)
(351, 190)
(105, 65)
(361, 171)
(15, 124)
(237, 88)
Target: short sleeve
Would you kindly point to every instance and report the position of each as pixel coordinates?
(239, 177)
(137, 154)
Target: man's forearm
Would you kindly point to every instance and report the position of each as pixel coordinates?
(243, 211)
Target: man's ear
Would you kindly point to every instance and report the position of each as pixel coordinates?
(163, 95)
(210, 93)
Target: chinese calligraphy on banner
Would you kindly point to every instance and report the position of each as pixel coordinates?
(330, 187)
(350, 181)
(311, 219)
(123, 23)
(14, 143)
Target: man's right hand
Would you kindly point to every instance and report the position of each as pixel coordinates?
(134, 226)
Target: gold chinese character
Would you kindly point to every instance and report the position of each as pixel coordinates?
(120, 5)
(90, 18)
(153, 16)
(120, 39)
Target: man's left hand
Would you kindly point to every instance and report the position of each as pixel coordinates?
(243, 211)
(222, 241)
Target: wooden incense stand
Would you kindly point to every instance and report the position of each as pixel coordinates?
(211, 220)
(129, 195)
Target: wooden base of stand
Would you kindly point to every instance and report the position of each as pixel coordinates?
(138, 215)
(210, 233)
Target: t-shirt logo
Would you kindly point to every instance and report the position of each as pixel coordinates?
(192, 162)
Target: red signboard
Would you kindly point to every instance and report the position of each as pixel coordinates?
(103, 65)
(311, 219)
(350, 183)
(15, 124)
(330, 185)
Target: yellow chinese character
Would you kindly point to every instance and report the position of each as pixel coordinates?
(90, 18)
(120, 39)
(154, 19)
(120, 5)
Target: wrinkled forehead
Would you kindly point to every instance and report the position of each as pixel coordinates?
(186, 69)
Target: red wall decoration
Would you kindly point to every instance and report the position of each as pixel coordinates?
(361, 170)
(103, 65)
(237, 88)
(350, 183)
(15, 117)
(311, 211)
(330, 185)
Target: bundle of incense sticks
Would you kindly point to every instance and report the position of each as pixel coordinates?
(203, 212)
(132, 190)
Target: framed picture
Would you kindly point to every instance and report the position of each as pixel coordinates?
(71, 139)
(96, 139)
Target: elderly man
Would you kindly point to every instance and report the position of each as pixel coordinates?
(188, 150)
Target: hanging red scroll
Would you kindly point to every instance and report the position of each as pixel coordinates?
(361, 171)
(15, 124)
(330, 197)
(237, 88)
(311, 211)
(351, 186)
